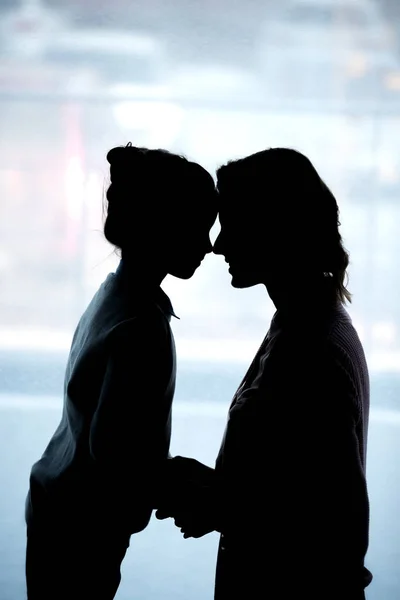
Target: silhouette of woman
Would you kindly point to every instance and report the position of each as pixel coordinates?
(289, 494)
(93, 486)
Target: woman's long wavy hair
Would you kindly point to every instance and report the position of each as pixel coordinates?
(284, 184)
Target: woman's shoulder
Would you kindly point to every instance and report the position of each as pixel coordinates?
(143, 328)
(110, 327)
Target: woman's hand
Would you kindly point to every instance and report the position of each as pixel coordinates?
(192, 523)
(189, 497)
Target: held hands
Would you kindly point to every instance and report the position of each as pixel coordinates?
(188, 496)
(192, 523)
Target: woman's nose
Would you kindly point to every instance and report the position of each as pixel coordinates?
(209, 247)
(218, 245)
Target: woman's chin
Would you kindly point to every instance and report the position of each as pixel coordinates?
(238, 283)
(185, 272)
(243, 280)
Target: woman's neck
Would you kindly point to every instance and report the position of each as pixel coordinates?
(141, 272)
(295, 296)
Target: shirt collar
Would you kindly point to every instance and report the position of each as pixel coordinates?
(164, 303)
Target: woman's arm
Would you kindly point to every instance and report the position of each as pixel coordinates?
(129, 433)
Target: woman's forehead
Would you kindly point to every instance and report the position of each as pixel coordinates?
(231, 214)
